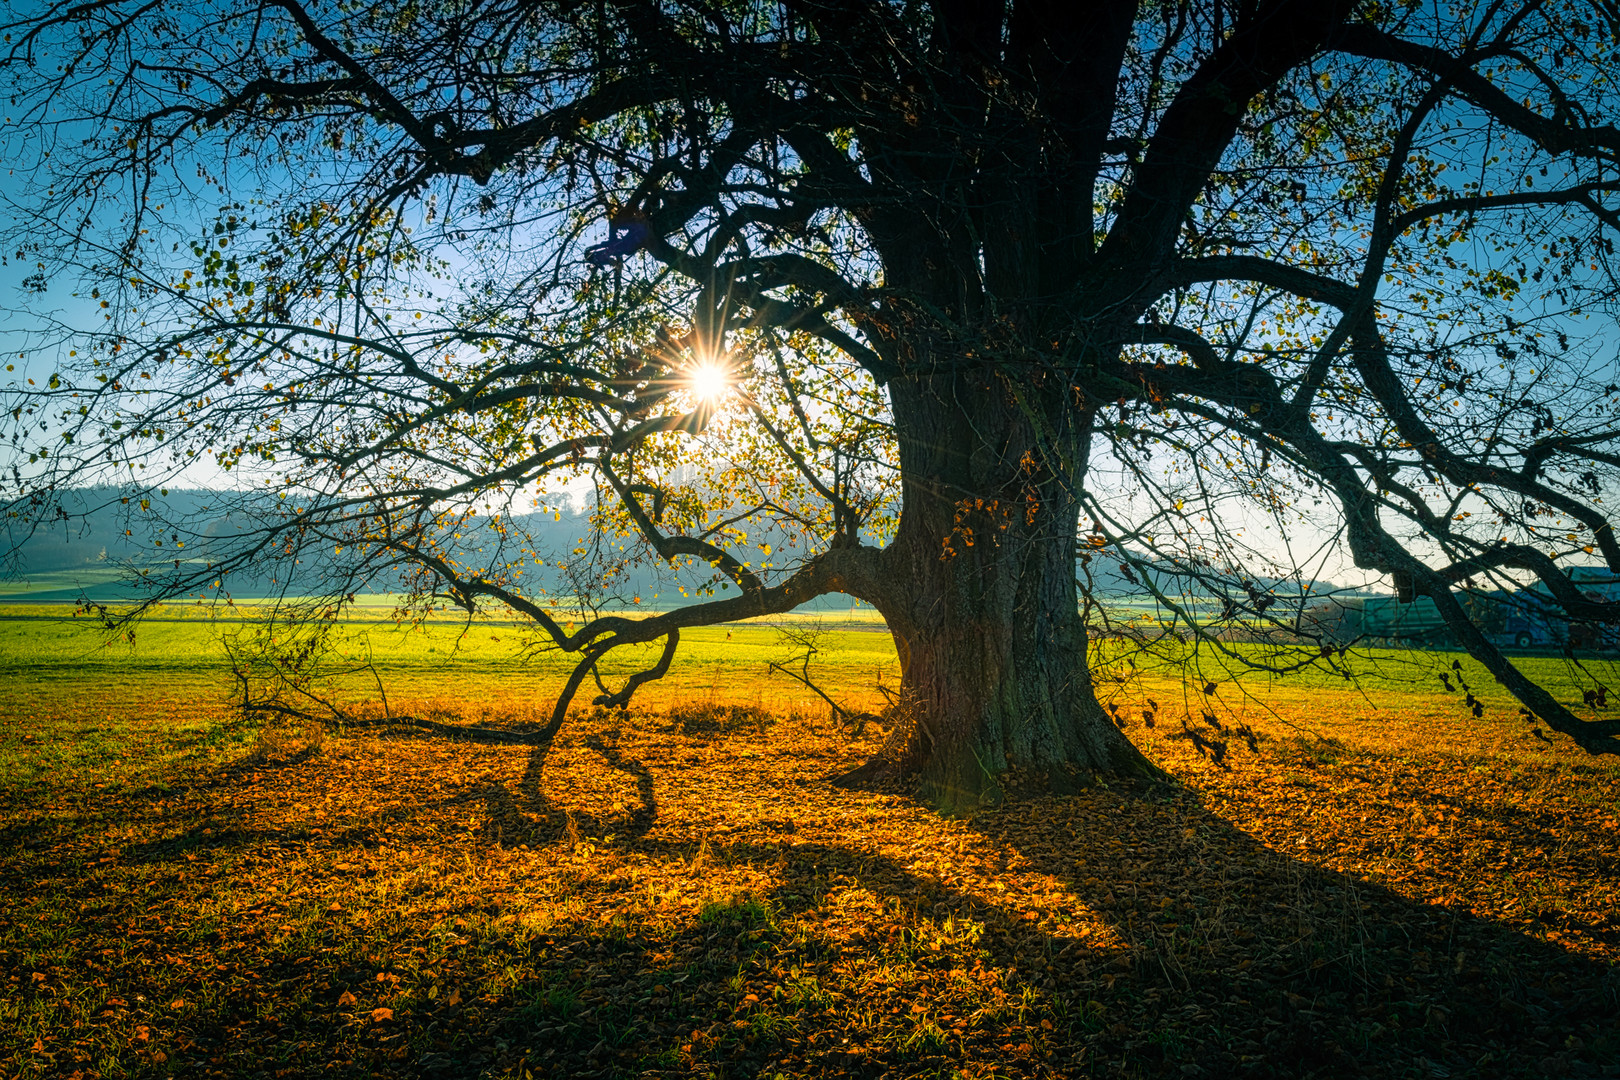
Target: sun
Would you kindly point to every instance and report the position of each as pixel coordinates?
(709, 380)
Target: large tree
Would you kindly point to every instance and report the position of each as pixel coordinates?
(957, 296)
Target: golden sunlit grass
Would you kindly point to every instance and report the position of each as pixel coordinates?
(680, 892)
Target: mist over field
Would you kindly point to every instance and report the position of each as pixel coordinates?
(98, 550)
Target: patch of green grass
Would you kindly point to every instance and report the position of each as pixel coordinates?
(746, 912)
(551, 1003)
(806, 991)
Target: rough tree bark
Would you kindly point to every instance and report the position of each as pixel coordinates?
(978, 588)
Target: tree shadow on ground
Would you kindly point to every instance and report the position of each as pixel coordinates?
(531, 816)
(1229, 957)
(1286, 968)
(1128, 931)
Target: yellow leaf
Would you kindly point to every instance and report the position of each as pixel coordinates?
(379, 1015)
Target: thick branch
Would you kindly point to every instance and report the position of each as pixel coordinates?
(1550, 134)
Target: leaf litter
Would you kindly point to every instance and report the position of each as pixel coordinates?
(687, 895)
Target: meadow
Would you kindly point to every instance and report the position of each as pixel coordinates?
(1363, 879)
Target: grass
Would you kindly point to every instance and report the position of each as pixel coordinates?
(68, 583)
(1383, 886)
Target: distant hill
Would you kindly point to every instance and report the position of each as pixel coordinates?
(105, 534)
(102, 537)
(90, 550)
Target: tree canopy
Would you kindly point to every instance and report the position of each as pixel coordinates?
(935, 304)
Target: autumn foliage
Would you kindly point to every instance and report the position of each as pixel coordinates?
(685, 894)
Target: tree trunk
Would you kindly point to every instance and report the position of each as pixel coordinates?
(980, 593)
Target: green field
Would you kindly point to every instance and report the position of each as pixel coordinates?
(50, 657)
(54, 642)
(85, 694)
(191, 637)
